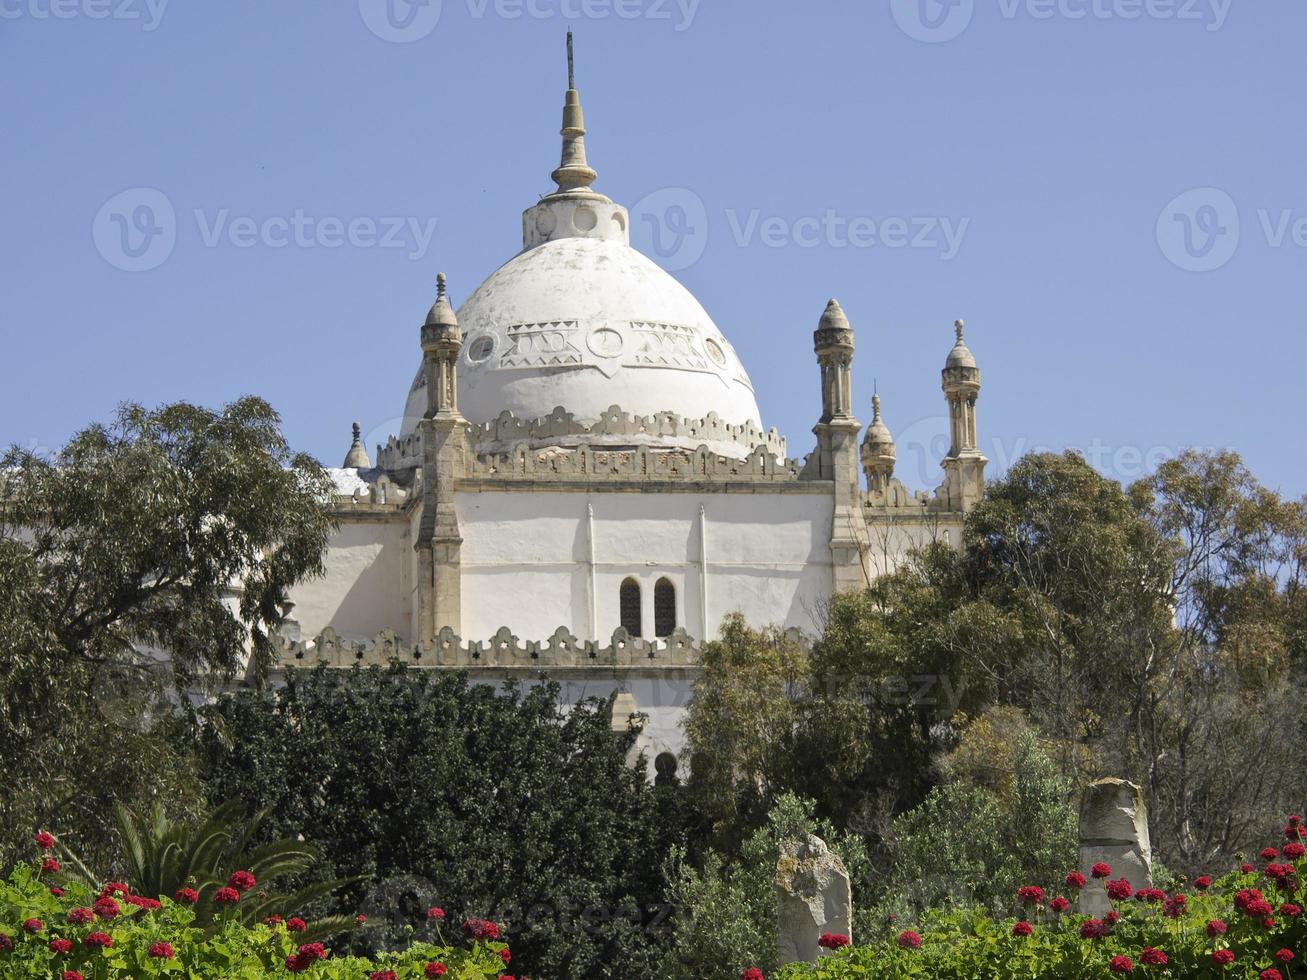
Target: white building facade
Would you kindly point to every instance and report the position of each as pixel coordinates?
(582, 489)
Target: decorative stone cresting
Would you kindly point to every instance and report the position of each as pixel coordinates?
(812, 897)
(1113, 830)
(641, 463)
(503, 650)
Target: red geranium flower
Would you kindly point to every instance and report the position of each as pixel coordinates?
(1270, 975)
(64, 946)
(162, 951)
(505, 955)
(434, 969)
(186, 896)
(72, 975)
(141, 902)
(6, 944)
(1152, 957)
(1112, 917)
(80, 916)
(44, 841)
(1149, 894)
(382, 975)
(752, 973)
(305, 957)
(909, 940)
(295, 924)
(1223, 957)
(1202, 883)
(242, 881)
(1093, 929)
(1269, 854)
(1247, 868)
(361, 919)
(33, 925)
(833, 940)
(1075, 879)
(435, 912)
(1059, 904)
(99, 939)
(106, 908)
(1290, 910)
(1021, 928)
(1101, 870)
(50, 866)
(1119, 889)
(114, 888)
(226, 896)
(1031, 894)
(56, 891)
(1284, 955)
(272, 921)
(1294, 850)
(1121, 964)
(480, 929)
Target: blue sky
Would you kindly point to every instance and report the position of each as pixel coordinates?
(1112, 193)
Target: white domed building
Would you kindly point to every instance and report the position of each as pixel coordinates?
(582, 488)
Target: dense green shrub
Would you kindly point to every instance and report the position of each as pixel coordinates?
(134, 938)
(438, 791)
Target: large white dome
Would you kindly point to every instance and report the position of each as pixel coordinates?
(585, 324)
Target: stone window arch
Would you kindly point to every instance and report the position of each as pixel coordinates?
(664, 607)
(665, 769)
(628, 605)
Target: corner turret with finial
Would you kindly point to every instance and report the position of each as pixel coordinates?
(441, 341)
(878, 452)
(357, 457)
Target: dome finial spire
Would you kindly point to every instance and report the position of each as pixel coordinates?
(357, 457)
(573, 173)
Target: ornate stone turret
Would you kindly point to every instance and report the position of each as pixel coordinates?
(878, 453)
(964, 467)
(357, 457)
(837, 446)
(575, 210)
(445, 455)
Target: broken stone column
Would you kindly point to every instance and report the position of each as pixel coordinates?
(1114, 831)
(812, 897)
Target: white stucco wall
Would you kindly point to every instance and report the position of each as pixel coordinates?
(526, 559)
(368, 584)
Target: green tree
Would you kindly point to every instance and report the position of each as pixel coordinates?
(438, 791)
(177, 529)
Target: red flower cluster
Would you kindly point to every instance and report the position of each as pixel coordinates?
(80, 916)
(72, 975)
(1270, 975)
(833, 940)
(1121, 964)
(44, 841)
(242, 881)
(1223, 957)
(1294, 850)
(186, 896)
(295, 924)
(1269, 854)
(162, 951)
(909, 939)
(98, 939)
(141, 902)
(1119, 890)
(434, 970)
(305, 957)
(1149, 894)
(1075, 879)
(505, 955)
(1284, 955)
(1093, 929)
(115, 888)
(435, 912)
(61, 946)
(382, 975)
(1203, 882)
(106, 908)
(1175, 906)
(226, 896)
(1289, 910)
(1215, 927)
(50, 866)
(752, 973)
(1249, 901)
(1059, 904)
(1152, 957)
(480, 929)
(1031, 894)
(1101, 870)
(1021, 928)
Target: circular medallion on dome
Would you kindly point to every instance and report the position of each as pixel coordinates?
(715, 352)
(546, 223)
(481, 348)
(605, 342)
(585, 219)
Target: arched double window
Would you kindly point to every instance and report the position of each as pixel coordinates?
(628, 603)
(664, 607)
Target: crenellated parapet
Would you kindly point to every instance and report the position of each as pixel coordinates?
(503, 650)
(597, 463)
(561, 427)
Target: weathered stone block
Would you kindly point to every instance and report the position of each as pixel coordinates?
(812, 897)
(1113, 830)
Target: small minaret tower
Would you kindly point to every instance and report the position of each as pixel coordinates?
(441, 342)
(878, 452)
(964, 467)
(445, 453)
(837, 447)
